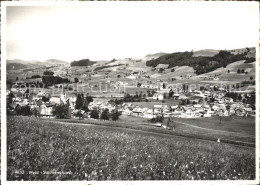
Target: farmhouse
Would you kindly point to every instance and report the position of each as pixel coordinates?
(158, 96)
(46, 111)
(137, 111)
(55, 100)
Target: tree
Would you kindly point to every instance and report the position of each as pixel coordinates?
(139, 84)
(242, 71)
(89, 98)
(238, 71)
(171, 93)
(161, 70)
(164, 85)
(185, 87)
(35, 112)
(85, 105)
(18, 109)
(105, 115)
(61, 111)
(136, 94)
(239, 97)
(118, 76)
(10, 97)
(149, 93)
(141, 95)
(48, 73)
(17, 78)
(94, 114)
(114, 115)
(26, 110)
(79, 114)
(45, 99)
(251, 78)
(172, 70)
(79, 101)
(76, 80)
(49, 80)
(228, 71)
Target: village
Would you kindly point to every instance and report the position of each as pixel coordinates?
(162, 100)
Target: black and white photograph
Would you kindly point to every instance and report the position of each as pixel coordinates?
(129, 92)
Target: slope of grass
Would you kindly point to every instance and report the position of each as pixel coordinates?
(70, 152)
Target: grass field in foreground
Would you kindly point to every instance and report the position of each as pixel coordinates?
(98, 153)
(242, 125)
(231, 130)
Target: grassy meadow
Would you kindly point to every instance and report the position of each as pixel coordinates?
(40, 149)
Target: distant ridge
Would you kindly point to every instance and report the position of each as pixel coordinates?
(23, 64)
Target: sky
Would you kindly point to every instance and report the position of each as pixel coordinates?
(105, 30)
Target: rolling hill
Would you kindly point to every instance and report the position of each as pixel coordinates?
(204, 61)
(23, 64)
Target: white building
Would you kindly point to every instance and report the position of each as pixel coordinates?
(55, 100)
(158, 96)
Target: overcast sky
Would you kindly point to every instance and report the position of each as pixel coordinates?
(116, 30)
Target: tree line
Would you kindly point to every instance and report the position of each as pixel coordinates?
(83, 62)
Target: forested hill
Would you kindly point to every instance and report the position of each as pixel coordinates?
(84, 62)
(201, 64)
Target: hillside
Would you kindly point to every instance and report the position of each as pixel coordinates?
(203, 61)
(153, 56)
(230, 72)
(83, 62)
(23, 64)
(205, 53)
(15, 66)
(55, 62)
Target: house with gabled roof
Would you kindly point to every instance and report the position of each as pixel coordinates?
(157, 96)
(46, 111)
(55, 100)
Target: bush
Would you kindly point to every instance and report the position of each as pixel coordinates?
(94, 114)
(48, 73)
(36, 76)
(115, 115)
(161, 70)
(157, 119)
(61, 111)
(79, 114)
(104, 115)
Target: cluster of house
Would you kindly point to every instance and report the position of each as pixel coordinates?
(185, 111)
(199, 106)
(44, 108)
